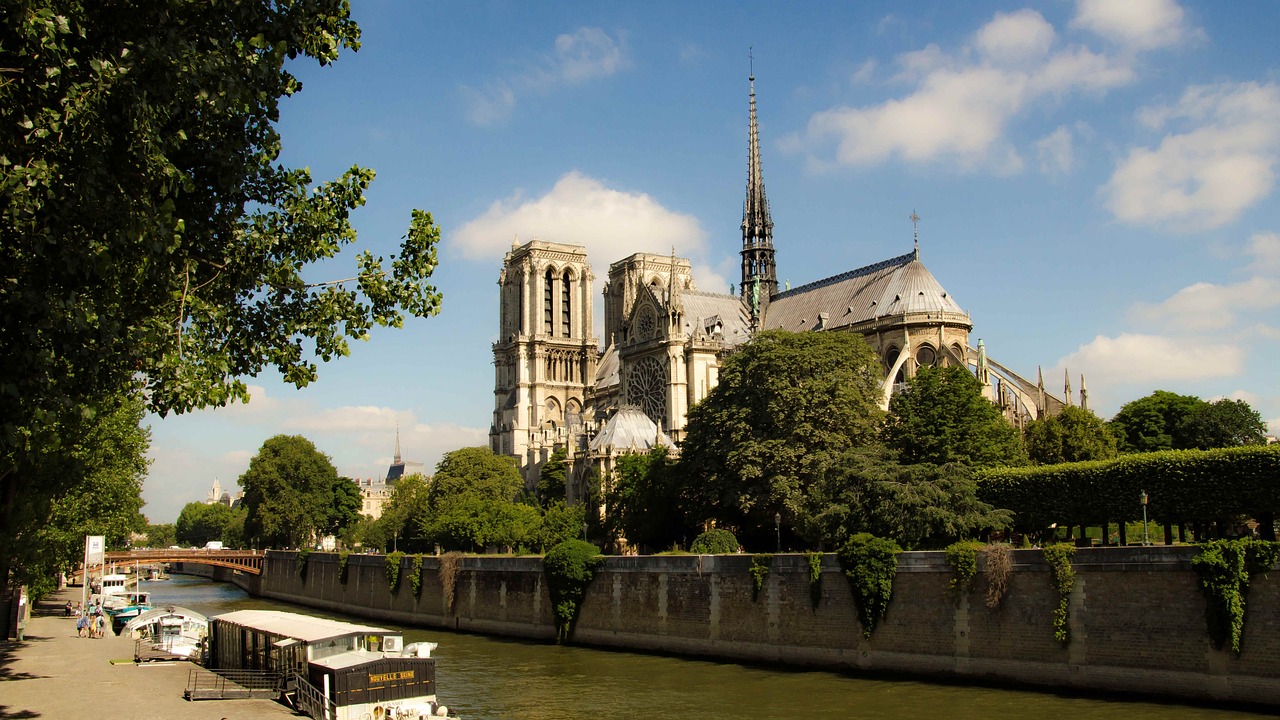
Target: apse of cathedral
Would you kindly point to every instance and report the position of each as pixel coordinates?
(558, 386)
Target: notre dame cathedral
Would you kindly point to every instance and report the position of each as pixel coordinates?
(665, 340)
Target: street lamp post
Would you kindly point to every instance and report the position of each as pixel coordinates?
(1142, 496)
(777, 529)
(584, 532)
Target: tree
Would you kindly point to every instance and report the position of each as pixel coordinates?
(1151, 423)
(404, 511)
(150, 239)
(786, 406)
(920, 506)
(198, 523)
(941, 417)
(90, 484)
(287, 490)
(551, 479)
(1221, 424)
(160, 535)
(474, 471)
(345, 505)
(1072, 435)
(644, 500)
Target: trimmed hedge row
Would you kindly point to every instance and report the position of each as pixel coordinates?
(1182, 486)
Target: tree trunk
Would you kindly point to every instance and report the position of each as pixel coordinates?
(1168, 534)
(8, 498)
(1267, 526)
(1124, 533)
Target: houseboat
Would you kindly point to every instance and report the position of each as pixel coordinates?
(351, 671)
(167, 633)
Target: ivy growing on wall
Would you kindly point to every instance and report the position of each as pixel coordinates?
(963, 559)
(1225, 568)
(569, 568)
(303, 554)
(815, 577)
(393, 571)
(1063, 577)
(870, 564)
(342, 566)
(415, 576)
(759, 571)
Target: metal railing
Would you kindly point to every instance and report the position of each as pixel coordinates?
(309, 700)
(227, 684)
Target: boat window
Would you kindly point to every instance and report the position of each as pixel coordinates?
(329, 648)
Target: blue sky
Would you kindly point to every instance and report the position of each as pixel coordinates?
(1096, 182)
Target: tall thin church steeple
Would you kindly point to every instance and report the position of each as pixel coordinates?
(758, 269)
(397, 459)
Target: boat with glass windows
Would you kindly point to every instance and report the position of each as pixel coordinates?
(330, 669)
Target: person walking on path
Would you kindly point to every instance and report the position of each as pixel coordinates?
(82, 625)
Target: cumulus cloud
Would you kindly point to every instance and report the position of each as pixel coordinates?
(1265, 250)
(581, 210)
(962, 102)
(1217, 159)
(1137, 358)
(1055, 152)
(1206, 306)
(1137, 24)
(586, 54)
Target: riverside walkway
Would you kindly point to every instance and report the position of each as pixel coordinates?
(55, 675)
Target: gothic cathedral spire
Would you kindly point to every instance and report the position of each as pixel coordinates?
(759, 275)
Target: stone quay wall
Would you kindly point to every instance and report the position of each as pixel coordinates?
(1137, 616)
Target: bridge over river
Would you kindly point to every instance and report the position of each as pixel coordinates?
(246, 561)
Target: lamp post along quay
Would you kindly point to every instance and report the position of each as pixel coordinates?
(777, 529)
(1142, 497)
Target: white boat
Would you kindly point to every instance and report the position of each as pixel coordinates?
(168, 632)
(123, 608)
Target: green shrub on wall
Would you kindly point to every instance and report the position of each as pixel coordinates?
(963, 559)
(1063, 577)
(415, 576)
(815, 577)
(303, 554)
(569, 568)
(1225, 568)
(393, 571)
(342, 566)
(759, 571)
(716, 541)
(870, 563)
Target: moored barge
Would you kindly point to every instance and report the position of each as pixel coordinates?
(342, 670)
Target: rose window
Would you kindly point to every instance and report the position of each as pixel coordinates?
(647, 388)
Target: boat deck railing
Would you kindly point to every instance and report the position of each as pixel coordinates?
(203, 684)
(309, 700)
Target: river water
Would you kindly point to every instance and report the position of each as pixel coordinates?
(485, 678)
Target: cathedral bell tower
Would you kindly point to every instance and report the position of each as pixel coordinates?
(759, 275)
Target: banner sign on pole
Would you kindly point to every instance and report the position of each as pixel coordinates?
(94, 545)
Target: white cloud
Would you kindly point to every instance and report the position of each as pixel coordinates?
(1265, 249)
(581, 210)
(1055, 152)
(1138, 24)
(588, 53)
(864, 72)
(1019, 36)
(1205, 175)
(1205, 306)
(1136, 358)
(962, 103)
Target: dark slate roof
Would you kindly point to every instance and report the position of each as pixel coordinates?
(607, 370)
(703, 309)
(896, 286)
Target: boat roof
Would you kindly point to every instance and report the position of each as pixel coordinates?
(348, 659)
(303, 627)
(154, 614)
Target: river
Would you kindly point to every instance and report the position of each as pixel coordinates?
(485, 678)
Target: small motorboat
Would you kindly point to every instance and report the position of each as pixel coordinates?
(125, 607)
(168, 633)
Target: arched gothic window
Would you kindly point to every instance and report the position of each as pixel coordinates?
(564, 304)
(548, 280)
(647, 388)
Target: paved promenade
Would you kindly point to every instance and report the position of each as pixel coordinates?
(55, 675)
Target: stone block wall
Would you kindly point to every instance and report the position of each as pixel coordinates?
(1136, 616)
